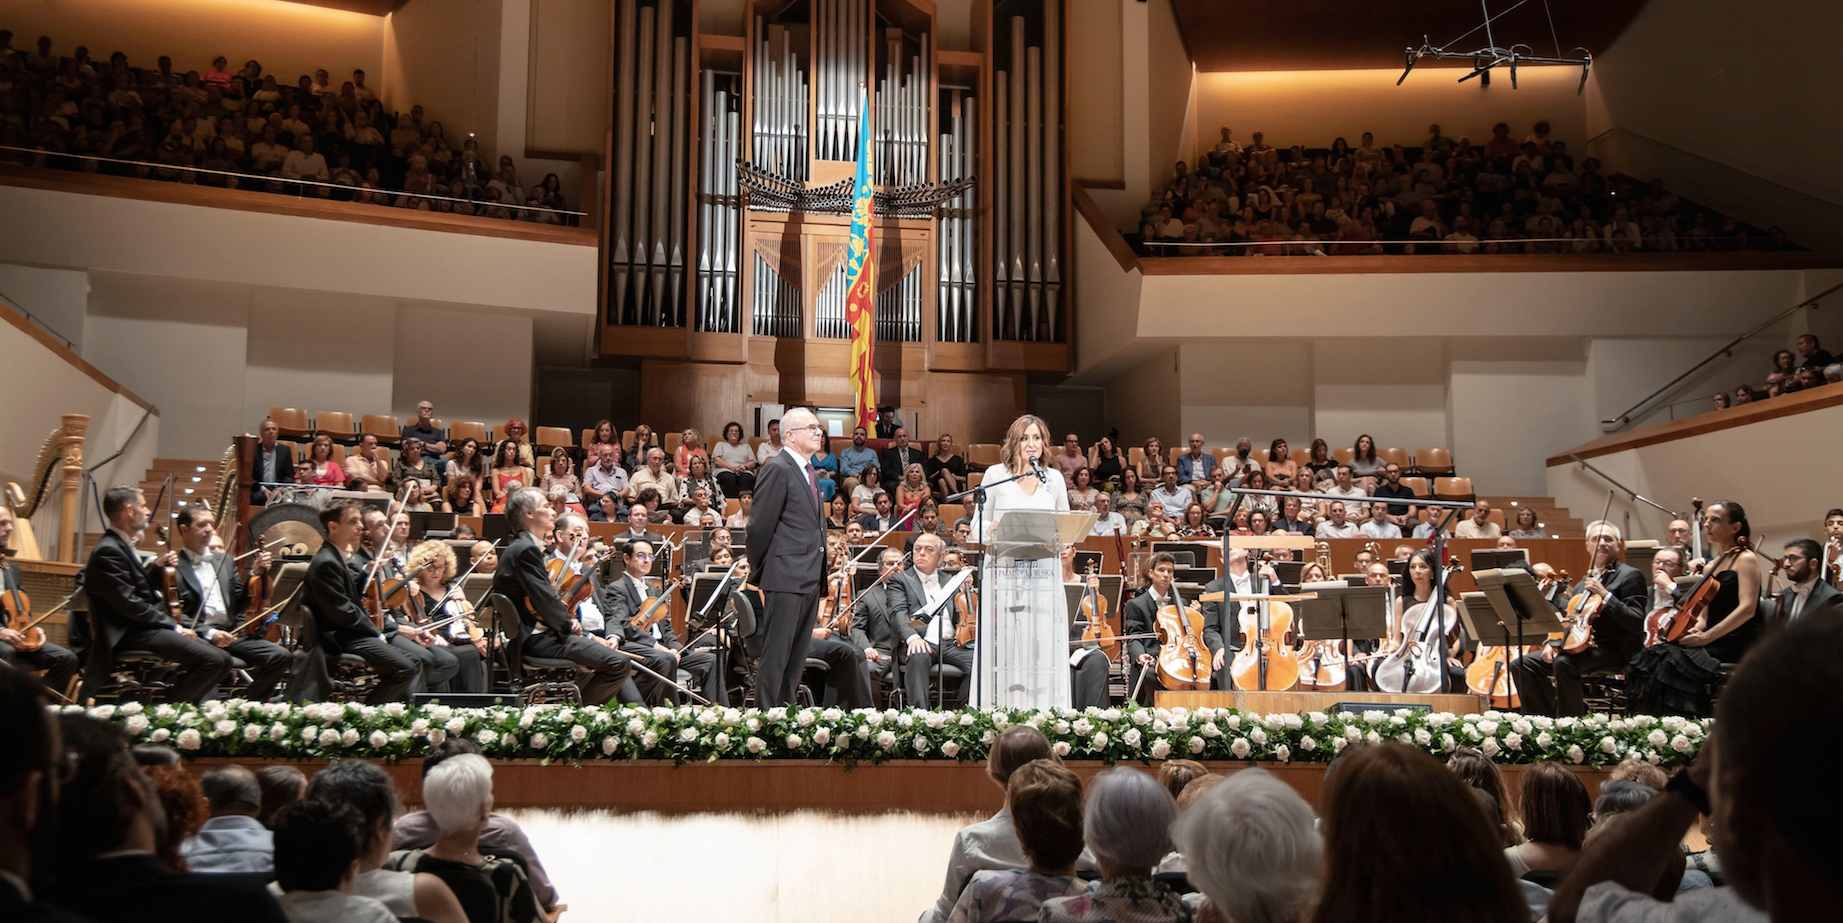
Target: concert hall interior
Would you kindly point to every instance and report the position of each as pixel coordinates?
(448, 444)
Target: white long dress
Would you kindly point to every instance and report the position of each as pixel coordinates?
(1021, 657)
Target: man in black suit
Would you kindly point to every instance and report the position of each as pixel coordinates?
(873, 631)
(894, 463)
(656, 646)
(110, 822)
(787, 555)
(214, 598)
(435, 666)
(1808, 594)
(1140, 617)
(273, 464)
(334, 597)
(58, 662)
(883, 520)
(30, 766)
(1618, 630)
(912, 595)
(128, 612)
(550, 631)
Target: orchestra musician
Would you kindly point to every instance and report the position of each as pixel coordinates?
(434, 565)
(388, 539)
(1141, 618)
(59, 662)
(912, 595)
(1222, 633)
(571, 534)
(1618, 630)
(848, 680)
(1088, 663)
(656, 646)
(1675, 677)
(873, 628)
(129, 613)
(520, 576)
(214, 598)
(334, 596)
(1666, 566)
(786, 549)
(1806, 593)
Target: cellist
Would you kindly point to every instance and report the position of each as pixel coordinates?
(1141, 618)
(1222, 632)
(1618, 630)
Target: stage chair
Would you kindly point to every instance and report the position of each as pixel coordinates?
(292, 423)
(1433, 462)
(336, 424)
(671, 443)
(1301, 456)
(982, 454)
(383, 426)
(463, 430)
(551, 437)
(538, 680)
(1451, 488)
(1421, 486)
(1397, 457)
(1343, 456)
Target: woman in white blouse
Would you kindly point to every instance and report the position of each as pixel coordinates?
(1022, 652)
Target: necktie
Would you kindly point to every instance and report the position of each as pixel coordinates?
(812, 484)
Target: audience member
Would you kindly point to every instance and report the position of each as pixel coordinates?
(29, 795)
(1251, 845)
(1476, 770)
(184, 805)
(232, 839)
(499, 836)
(316, 863)
(281, 787)
(1556, 812)
(458, 795)
(1043, 801)
(368, 789)
(1127, 824)
(992, 843)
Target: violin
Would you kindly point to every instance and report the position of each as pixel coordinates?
(1183, 661)
(657, 608)
(575, 583)
(1097, 631)
(835, 608)
(1582, 608)
(1670, 622)
(18, 608)
(1269, 662)
(169, 577)
(966, 617)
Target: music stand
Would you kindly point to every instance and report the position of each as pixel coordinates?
(702, 586)
(1340, 612)
(1517, 607)
(1198, 551)
(1087, 559)
(1193, 576)
(475, 588)
(857, 553)
(287, 581)
(1288, 571)
(421, 522)
(495, 526)
(861, 579)
(1499, 559)
(1639, 554)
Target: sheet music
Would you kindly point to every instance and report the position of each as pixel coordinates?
(940, 607)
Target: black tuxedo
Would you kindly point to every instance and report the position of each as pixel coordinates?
(619, 602)
(1140, 616)
(129, 614)
(333, 595)
(1824, 600)
(435, 666)
(58, 662)
(905, 598)
(521, 578)
(786, 549)
(892, 463)
(1618, 633)
(139, 887)
(282, 474)
(268, 662)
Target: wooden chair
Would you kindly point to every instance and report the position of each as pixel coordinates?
(974, 477)
(463, 430)
(1396, 457)
(1301, 456)
(1344, 456)
(1420, 486)
(1433, 462)
(292, 423)
(1451, 488)
(1135, 456)
(731, 507)
(384, 426)
(982, 454)
(336, 424)
(671, 443)
(550, 437)
(755, 444)
(952, 512)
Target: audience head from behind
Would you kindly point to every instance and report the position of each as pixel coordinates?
(1045, 800)
(1175, 775)
(367, 789)
(317, 859)
(107, 803)
(1128, 821)
(1015, 746)
(458, 794)
(1773, 794)
(29, 780)
(281, 787)
(1251, 845)
(1618, 797)
(1392, 815)
(1476, 770)
(1556, 809)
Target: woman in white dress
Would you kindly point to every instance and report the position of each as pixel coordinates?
(1021, 658)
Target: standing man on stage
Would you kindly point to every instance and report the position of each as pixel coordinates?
(336, 598)
(787, 555)
(129, 613)
(1618, 630)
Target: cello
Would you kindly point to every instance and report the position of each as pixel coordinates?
(1183, 661)
(1324, 665)
(1268, 662)
(1418, 662)
(1097, 630)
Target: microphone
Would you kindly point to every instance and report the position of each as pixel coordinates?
(1036, 467)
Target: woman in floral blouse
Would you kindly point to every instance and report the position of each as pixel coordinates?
(1128, 824)
(1044, 800)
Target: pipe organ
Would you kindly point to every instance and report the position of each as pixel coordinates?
(730, 159)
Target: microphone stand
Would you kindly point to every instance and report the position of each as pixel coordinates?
(721, 592)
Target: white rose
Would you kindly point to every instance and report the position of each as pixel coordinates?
(873, 720)
(1234, 722)
(1447, 743)
(1307, 744)
(1060, 748)
(1161, 748)
(165, 712)
(966, 721)
(1422, 736)
(1160, 727)
(1283, 753)
(190, 740)
(920, 744)
(635, 725)
(794, 742)
(1680, 744)
(136, 725)
(805, 718)
(609, 745)
(379, 740)
(950, 749)
(1196, 745)
(1099, 741)
(648, 739)
(753, 724)
(1083, 727)
(329, 738)
(1132, 737)
(224, 728)
(822, 736)
(349, 738)
(755, 745)
(487, 737)
(1514, 741)
(103, 712)
(436, 736)
(1062, 727)
(1545, 740)
(1353, 734)
(1657, 738)
(777, 713)
(160, 735)
(831, 715)
(1487, 728)
(524, 720)
(886, 740)
(578, 733)
(987, 738)
(1258, 736)
(1374, 717)
(1576, 755)
(394, 709)
(1491, 748)
(1338, 744)
(688, 735)
(1608, 745)
(540, 741)
(1211, 731)
(936, 720)
(132, 708)
(456, 725)
(1240, 748)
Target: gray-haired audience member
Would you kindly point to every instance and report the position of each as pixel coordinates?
(1127, 821)
(232, 839)
(1251, 846)
(500, 836)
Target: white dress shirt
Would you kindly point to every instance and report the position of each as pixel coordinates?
(638, 585)
(213, 607)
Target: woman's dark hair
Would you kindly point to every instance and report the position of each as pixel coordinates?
(1273, 450)
(1737, 516)
(1790, 360)
(499, 455)
(1320, 451)
(1015, 746)
(281, 787)
(1175, 774)
(363, 786)
(1392, 793)
(1356, 448)
(1477, 771)
(316, 843)
(1129, 472)
(729, 426)
(1405, 590)
(1045, 799)
(1555, 806)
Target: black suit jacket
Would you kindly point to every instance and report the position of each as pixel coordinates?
(520, 577)
(139, 887)
(871, 623)
(1214, 628)
(284, 469)
(1824, 601)
(230, 583)
(1141, 617)
(893, 462)
(122, 598)
(903, 596)
(619, 604)
(786, 530)
(333, 596)
(1620, 626)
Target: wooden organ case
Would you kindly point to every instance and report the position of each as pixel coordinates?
(727, 297)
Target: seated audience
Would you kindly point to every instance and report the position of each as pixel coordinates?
(1043, 799)
(29, 800)
(1127, 823)
(499, 835)
(458, 795)
(232, 839)
(317, 862)
(992, 843)
(368, 789)
(1555, 817)
(1478, 771)
(281, 787)
(1251, 845)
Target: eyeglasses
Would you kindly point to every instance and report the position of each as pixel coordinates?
(815, 427)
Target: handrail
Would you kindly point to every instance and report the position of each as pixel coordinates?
(20, 306)
(259, 177)
(1625, 419)
(1635, 495)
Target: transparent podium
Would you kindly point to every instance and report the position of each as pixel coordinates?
(1021, 650)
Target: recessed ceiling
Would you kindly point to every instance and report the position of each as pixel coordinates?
(1258, 35)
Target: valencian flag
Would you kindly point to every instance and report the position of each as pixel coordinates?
(861, 278)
